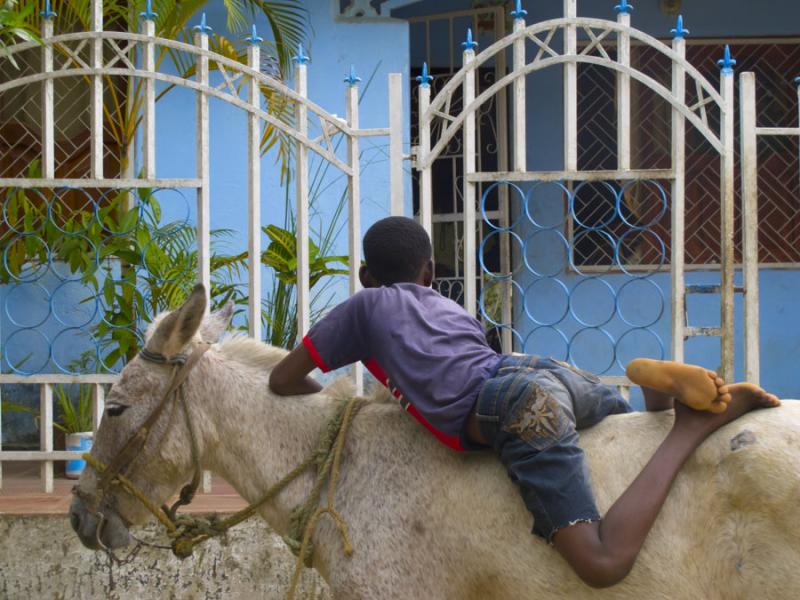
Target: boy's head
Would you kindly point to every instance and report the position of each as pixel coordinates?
(396, 250)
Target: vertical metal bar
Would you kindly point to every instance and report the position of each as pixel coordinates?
(678, 135)
(354, 197)
(570, 89)
(254, 197)
(749, 173)
(726, 226)
(149, 137)
(98, 404)
(1, 439)
(46, 434)
(203, 192)
(520, 133)
(506, 339)
(425, 182)
(203, 168)
(301, 208)
(469, 134)
(397, 202)
(48, 125)
(96, 108)
(623, 95)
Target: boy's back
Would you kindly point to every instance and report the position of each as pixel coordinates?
(431, 350)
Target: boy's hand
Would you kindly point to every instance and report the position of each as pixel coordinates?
(289, 377)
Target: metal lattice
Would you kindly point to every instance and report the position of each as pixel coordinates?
(559, 296)
(102, 269)
(779, 187)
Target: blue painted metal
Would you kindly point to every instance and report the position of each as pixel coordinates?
(48, 12)
(797, 80)
(726, 63)
(518, 12)
(301, 58)
(424, 79)
(568, 303)
(623, 7)
(679, 32)
(148, 13)
(352, 79)
(253, 38)
(470, 44)
(203, 28)
(54, 313)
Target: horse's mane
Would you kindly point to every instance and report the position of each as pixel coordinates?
(245, 350)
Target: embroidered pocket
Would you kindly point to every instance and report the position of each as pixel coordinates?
(537, 417)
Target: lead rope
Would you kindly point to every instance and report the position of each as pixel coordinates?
(187, 531)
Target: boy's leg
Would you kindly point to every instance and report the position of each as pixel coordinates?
(695, 386)
(602, 553)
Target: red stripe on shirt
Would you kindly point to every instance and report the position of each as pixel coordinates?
(451, 441)
(315, 356)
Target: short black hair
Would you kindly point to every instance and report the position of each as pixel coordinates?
(396, 249)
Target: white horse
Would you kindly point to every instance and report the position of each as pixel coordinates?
(429, 523)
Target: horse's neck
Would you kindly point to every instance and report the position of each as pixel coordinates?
(252, 437)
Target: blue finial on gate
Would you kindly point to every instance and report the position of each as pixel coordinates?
(253, 38)
(424, 79)
(726, 63)
(679, 32)
(518, 12)
(623, 7)
(148, 14)
(352, 79)
(48, 12)
(203, 27)
(470, 44)
(300, 58)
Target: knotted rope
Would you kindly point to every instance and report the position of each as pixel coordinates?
(187, 531)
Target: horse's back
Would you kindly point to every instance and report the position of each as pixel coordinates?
(457, 523)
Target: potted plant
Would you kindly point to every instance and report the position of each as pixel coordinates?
(75, 420)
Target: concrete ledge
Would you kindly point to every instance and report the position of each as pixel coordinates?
(41, 557)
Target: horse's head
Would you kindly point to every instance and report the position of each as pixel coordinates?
(164, 461)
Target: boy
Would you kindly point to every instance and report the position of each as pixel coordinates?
(526, 408)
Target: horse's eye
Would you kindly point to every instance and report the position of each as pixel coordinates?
(115, 410)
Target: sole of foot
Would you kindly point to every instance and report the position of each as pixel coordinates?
(694, 386)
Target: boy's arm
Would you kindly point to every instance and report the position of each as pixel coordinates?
(290, 376)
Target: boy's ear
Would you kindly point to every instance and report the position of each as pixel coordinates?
(366, 278)
(427, 274)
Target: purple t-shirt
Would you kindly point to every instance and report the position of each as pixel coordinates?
(432, 351)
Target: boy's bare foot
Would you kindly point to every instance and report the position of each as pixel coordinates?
(694, 386)
(740, 398)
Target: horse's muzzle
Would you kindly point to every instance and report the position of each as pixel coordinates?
(98, 530)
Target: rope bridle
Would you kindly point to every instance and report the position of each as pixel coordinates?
(187, 531)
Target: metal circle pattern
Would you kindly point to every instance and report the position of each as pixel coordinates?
(577, 275)
(78, 264)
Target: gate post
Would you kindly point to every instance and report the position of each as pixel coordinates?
(201, 139)
(354, 196)
(301, 196)
(749, 162)
(396, 187)
(726, 216)
(470, 302)
(254, 190)
(425, 184)
(678, 143)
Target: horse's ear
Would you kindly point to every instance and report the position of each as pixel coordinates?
(215, 324)
(180, 326)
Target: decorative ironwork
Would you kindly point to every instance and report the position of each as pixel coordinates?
(572, 311)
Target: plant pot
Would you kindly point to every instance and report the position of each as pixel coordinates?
(80, 442)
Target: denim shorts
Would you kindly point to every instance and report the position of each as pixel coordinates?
(530, 411)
